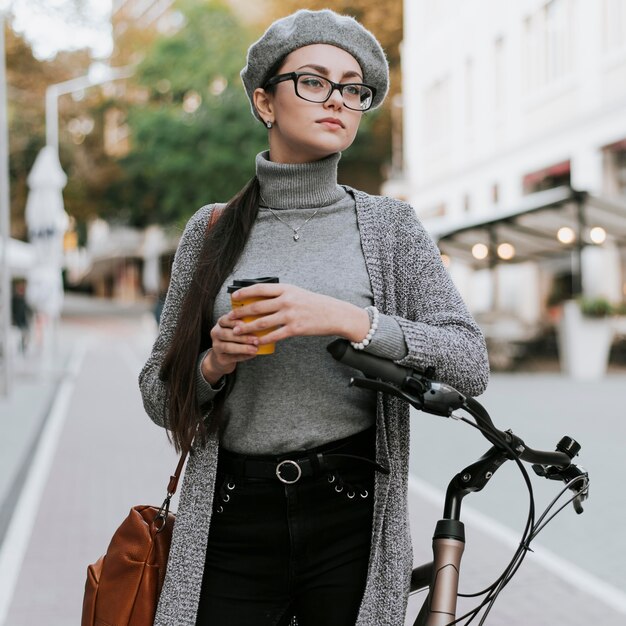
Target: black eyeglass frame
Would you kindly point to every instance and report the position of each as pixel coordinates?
(294, 76)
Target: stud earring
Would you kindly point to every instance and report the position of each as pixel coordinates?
(269, 124)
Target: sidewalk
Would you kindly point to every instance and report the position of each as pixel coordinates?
(22, 416)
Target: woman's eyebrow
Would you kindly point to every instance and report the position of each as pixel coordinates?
(320, 69)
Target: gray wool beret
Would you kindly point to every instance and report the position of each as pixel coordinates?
(305, 28)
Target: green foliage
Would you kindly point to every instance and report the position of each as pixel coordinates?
(596, 307)
(181, 160)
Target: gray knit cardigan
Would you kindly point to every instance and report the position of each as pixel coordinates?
(408, 282)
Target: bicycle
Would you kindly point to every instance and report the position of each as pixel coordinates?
(441, 576)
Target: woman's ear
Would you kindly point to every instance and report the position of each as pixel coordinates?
(263, 105)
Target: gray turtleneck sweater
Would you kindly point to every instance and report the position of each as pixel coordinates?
(299, 397)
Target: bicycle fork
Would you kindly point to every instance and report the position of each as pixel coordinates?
(442, 575)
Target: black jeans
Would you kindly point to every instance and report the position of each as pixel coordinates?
(277, 550)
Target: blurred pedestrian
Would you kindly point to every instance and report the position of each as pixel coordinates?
(294, 499)
(21, 314)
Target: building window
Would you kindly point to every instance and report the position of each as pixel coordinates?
(436, 210)
(620, 167)
(436, 12)
(437, 113)
(556, 175)
(469, 93)
(613, 25)
(548, 48)
(615, 169)
(499, 75)
(495, 193)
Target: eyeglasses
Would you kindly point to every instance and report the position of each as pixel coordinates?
(314, 88)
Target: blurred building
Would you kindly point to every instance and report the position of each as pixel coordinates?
(507, 107)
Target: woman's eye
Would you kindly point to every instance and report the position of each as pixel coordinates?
(311, 82)
(352, 90)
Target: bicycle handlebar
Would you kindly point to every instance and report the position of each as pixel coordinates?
(372, 366)
(439, 398)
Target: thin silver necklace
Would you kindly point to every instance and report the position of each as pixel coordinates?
(296, 233)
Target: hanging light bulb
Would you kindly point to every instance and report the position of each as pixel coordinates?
(506, 251)
(597, 234)
(480, 251)
(565, 234)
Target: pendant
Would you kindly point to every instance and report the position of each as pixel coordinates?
(296, 237)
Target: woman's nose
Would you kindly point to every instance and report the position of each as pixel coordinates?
(335, 99)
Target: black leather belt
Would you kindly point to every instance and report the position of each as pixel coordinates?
(290, 470)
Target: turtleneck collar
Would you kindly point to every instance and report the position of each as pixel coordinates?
(298, 185)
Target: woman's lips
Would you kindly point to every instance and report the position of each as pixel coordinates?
(331, 123)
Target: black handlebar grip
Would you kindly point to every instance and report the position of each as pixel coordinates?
(372, 366)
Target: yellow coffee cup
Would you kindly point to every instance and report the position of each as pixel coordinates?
(246, 282)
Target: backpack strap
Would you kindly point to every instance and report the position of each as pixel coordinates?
(217, 211)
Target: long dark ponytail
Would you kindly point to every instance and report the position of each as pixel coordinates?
(222, 247)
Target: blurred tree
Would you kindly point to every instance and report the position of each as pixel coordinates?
(364, 164)
(193, 139)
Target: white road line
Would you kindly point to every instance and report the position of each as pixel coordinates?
(21, 525)
(565, 570)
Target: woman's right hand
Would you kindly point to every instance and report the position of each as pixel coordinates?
(228, 349)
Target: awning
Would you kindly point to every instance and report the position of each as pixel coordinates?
(532, 229)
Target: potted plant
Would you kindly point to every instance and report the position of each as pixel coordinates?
(585, 337)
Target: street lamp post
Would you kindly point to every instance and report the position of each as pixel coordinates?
(45, 215)
(97, 75)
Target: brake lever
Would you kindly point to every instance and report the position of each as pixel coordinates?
(572, 473)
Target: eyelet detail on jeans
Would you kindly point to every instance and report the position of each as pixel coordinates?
(338, 488)
(331, 478)
(364, 493)
(350, 494)
(221, 497)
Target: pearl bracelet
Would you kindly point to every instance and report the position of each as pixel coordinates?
(372, 312)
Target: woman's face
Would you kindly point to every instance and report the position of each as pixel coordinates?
(306, 131)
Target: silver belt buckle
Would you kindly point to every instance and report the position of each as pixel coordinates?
(288, 463)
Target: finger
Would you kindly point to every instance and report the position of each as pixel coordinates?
(225, 321)
(276, 335)
(260, 290)
(226, 351)
(228, 335)
(261, 307)
(263, 323)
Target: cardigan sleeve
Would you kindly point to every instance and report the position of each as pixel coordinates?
(438, 329)
(153, 389)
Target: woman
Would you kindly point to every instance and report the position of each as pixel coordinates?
(294, 499)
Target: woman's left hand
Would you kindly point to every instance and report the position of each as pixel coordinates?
(297, 312)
